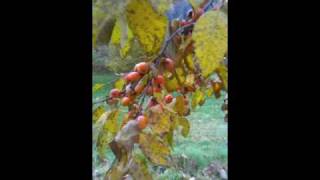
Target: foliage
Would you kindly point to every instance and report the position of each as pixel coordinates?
(200, 44)
(147, 25)
(210, 41)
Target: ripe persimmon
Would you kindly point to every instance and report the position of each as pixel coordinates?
(156, 89)
(142, 121)
(216, 87)
(142, 68)
(126, 101)
(132, 76)
(139, 88)
(159, 80)
(168, 98)
(114, 93)
(169, 64)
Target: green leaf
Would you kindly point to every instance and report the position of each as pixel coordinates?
(210, 36)
(147, 25)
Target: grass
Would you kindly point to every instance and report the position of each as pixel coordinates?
(207, 141)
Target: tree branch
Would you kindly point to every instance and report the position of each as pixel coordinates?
(156, 60)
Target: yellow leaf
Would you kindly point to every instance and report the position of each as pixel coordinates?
(119, 83)
(98, 125)
(197, 97)
(209, 91)
(222, 72)
(116, 33)
(103, 21)
(101, 33)
(210, 36)
(97, 87)
(161, 6)
(189, 80)
(111, 124)
(147, 25)
(180, 75)
(162, 124)
(202, 101)
(122, 36)
(183, 122)
(154, 149)
(171, 83)
(188, 60)
(179, 106)
(185, 126)
(108, 132)
(97, 112)
(169, 137)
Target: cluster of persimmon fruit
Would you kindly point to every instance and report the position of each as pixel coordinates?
(135, 86)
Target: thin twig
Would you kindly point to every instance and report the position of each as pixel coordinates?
(179, 30)
(100, 101)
